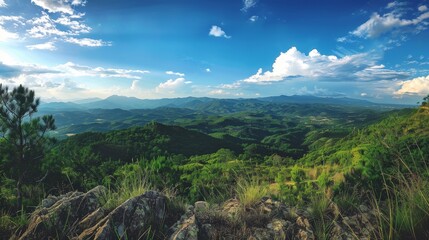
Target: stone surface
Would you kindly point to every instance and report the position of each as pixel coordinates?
(59, 213)
(77, 215)
(134, 218)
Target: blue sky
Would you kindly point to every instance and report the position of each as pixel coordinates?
(75, 49)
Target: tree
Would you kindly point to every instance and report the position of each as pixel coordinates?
(425, 101)
(24, 135)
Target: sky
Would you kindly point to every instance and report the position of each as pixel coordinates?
(77, 49)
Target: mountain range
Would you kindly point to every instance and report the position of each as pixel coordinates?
(127, 103)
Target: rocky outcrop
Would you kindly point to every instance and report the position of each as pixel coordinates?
(270, 219)
(79, 215)
(58, 217)
(136, 217)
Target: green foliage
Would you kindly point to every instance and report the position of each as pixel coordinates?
(131, 181)
(211, 175)
(24, 137)
(297, 175)
(250, 192)
(324, 180)
(322, 218)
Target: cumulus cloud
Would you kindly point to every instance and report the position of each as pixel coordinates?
(295, 64)
(208, 70)
(216, 31)
(171, 85)
(417, 86)
(43, 46)
(2, 3)
(69, 85)
(54, 6)
(88, 42)
(175, 73)
(247, 4)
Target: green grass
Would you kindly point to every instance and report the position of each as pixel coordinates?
(405, 212)
(250, 192)
(321, 215)
(130, 186)
(9, 224)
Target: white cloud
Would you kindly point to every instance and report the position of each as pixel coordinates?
(314, 66)
(254, 18)
(55, 6)
(364, 94)
(43, 27)
(5, 35)
(58, 24)
(88, 42)
(247, 4)
(76, 27)
(378, 24)
(216, 31)
(218, 92)
(2, 3)
(417, 86)
(43, 46)
(67, 70)
(17, 19)
(423, 8)
(235, 85)
(73, 69)
(175, 73)
(341, 39)
(9, 71)
(208, 70)
(395, 4)
(171, 85)
(78, 2)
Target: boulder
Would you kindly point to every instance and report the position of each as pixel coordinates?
(137, 218)
(58, 217)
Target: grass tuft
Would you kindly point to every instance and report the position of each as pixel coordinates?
(250, 192)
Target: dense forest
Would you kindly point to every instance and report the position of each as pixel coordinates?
(296, 153)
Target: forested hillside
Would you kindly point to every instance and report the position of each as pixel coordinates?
(299, 154)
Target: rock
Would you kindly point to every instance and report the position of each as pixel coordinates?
(304, 235)
(279, 228)
(91, 219)
(78, 215)
(59, 213)
(232, 207)
(303, 222)
(134, 218)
